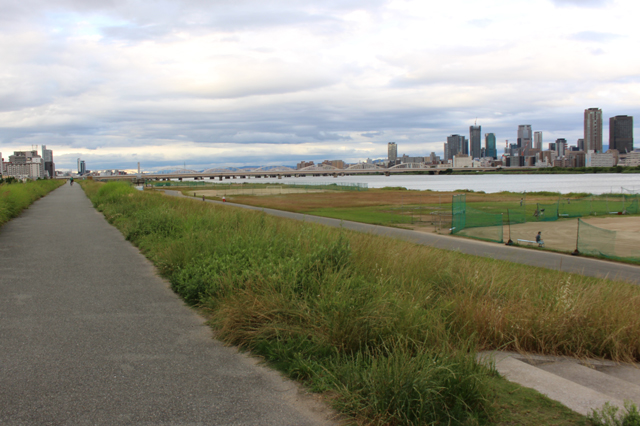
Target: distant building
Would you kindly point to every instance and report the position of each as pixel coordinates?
(631, 159)
(49, 166)
(475, 141)
(537, 140)
(524, 137)
(593, 130)
(457, 144)
(392, 152)
(490, 145)
(462, 160)
(82, 169)
(580, 145)
(621, 133)
(594, 159)
(561, 147)
(406, 159)
(303, 164)
(25, 165)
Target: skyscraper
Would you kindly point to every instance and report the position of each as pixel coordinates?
(392, 151)
(537, 140)
(457, 145)
(475, 140)
(524, 136)
(490, 145)
(593, 129)
(621, 133)
(49, 166)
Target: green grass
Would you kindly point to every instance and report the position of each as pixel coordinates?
(386, 330)
(15, 197)
(372, 215)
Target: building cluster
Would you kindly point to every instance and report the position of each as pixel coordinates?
(528, 150)
(24, 165)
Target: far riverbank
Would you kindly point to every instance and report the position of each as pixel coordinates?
(600, 183)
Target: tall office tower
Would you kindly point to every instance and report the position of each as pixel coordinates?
(561, 147)
(490, 145)
(49, 166)
(392, 151)
(446, 152)
(457, 145)
(475, 140)
(524, 136)
(621, 133)
(537, 140)
(81, 167)
(593, 129)
(580, 144)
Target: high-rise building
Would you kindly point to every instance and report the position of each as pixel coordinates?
(490, 145)
(580, 144)
(446, 152)
(621, 133)
(392, 152)
(457, 145)
(524, 136)
(49, 166)
(81, 167)
(593, 130)
(475, 140)
(537, 140)
(561, 147)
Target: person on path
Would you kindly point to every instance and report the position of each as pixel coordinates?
(71, 181)
(539, 239)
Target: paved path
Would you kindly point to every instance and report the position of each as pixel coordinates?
(90, 335)
(545, 259)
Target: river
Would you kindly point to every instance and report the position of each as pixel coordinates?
(600, 183)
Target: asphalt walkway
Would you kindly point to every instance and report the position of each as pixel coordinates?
(89, 334)
(544, 259)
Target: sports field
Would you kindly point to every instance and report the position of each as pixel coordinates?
(562, 234)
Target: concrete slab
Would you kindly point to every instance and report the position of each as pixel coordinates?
(594, 379)
(578, 398)
(628, 373)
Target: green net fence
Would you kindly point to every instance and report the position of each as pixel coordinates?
(596, 241)
(577, 207)
(546, 212)
(475, 223)
(515, 216)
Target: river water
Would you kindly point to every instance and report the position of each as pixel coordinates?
(564, 183)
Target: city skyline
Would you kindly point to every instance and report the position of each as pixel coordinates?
(119, 83)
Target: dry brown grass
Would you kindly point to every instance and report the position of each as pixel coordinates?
(372, 198)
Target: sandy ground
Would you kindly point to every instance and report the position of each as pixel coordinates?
(254, 191)
(562, 234)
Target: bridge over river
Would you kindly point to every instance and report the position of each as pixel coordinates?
(287, 172)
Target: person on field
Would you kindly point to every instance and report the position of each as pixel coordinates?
(224, 200)
(521, 201)
(539, 239)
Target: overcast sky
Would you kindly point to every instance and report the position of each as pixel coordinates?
(211, 83)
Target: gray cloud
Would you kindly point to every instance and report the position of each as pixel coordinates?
(582, 3)
(594, 36)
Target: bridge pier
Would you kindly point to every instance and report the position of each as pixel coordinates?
(387, 174)
(219, 177)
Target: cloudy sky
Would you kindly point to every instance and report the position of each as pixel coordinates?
(211, 83)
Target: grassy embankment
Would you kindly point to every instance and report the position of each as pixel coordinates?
(15, 197)
(385, 329)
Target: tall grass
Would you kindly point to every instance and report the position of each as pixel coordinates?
(387, 327)
(15, 197)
